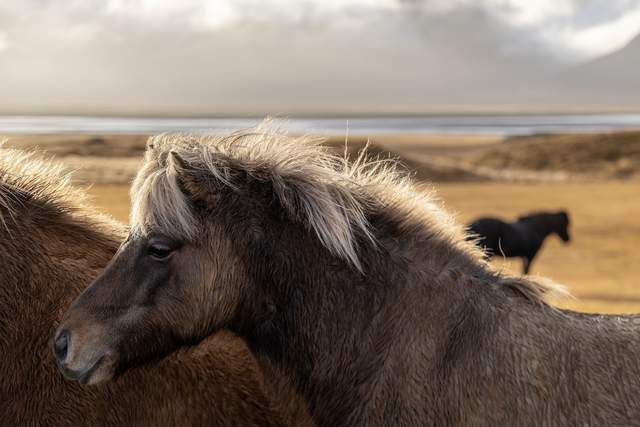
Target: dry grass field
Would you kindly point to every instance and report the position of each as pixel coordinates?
(601, 266)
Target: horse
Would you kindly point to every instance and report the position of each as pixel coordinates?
(53, 245)
(348, 281)
(522, 238)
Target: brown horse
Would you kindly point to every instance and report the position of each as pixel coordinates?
(348, 282)
(52, 245)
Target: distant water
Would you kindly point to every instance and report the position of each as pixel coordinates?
(463, 124)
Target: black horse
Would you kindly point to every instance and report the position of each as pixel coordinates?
(522, 238)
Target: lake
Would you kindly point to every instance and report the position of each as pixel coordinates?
(500, 124)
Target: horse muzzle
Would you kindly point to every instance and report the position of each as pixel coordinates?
(81, 358)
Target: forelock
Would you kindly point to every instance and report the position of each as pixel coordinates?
(158, 202)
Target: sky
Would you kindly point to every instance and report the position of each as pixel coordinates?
(289, 56)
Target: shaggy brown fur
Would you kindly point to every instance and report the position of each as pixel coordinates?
(52, 245)
(379, 313)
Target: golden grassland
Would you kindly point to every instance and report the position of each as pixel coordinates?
(601, 266)
(114, 159)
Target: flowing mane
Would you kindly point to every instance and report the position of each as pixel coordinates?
(329, 194)
(44, 188)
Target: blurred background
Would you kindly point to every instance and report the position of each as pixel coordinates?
(504, 107)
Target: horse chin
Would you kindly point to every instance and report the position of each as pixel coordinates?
(103, 372)
(99, 370)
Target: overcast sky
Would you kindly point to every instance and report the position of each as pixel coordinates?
(285, 56)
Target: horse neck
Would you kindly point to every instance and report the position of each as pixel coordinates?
(542, 225)
(47, 255)
(330, 325)
(46, 264)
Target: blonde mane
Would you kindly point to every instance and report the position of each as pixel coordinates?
(26, 178)
(329, 194)
(324, 188)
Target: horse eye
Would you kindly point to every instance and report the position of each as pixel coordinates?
(159, 252)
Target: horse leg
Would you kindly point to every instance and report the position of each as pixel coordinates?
(528, 260)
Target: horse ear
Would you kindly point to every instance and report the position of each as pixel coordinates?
(197, 186)
(176, 161)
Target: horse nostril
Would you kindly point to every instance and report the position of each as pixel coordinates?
(61, 345)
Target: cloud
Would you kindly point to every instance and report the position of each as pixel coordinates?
(599, 38)
(4, 42)
(569, 30)
(283, 55)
